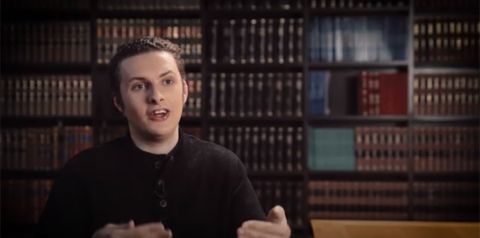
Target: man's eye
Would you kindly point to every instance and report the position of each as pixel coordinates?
(167, 81)
(139, 86)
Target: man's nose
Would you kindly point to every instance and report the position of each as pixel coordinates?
(155, 95)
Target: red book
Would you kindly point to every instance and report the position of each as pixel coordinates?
(393, 94)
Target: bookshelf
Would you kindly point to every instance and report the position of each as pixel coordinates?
(259, 71)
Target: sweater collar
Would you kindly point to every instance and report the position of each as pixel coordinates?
(174, 153)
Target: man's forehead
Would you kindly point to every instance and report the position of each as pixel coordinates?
(155, 62)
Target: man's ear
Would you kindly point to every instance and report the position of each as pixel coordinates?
(185, 91)
(118, 104)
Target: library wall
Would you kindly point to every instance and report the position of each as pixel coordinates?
(339, 109)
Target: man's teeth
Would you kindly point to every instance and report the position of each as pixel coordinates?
(161, 112)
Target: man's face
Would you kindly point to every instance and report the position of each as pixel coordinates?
(153, 94)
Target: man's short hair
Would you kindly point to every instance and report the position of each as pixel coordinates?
(138, 46)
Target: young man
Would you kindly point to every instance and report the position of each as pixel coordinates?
(156, 181)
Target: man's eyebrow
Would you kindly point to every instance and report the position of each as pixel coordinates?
(144, 79)
(165, 73)
(136, 78)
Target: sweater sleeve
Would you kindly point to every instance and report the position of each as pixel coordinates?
(245, 203)
(66, 213)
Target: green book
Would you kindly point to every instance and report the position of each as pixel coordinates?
(331, 149)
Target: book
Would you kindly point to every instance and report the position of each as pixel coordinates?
(236, 94)
(184, 32)
(358, 38)
(262, 40)
(345, 199)
(446, 94)
(331, 149)
(263, 148)
(48, 95)
(382, 94)
(46, 42)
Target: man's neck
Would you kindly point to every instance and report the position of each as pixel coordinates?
(156, 145)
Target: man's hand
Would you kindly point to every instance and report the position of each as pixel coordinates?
(129, 230)
(276, 226)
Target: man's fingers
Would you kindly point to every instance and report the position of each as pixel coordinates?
(264, 227)
(131, 224)
(277, 215)
(156, 230)
(249, 233)
(117, 226)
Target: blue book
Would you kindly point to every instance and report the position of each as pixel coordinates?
(318, 93)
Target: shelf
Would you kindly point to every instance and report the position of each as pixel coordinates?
(358, 175)
(359, 65)
(29, 174)
(446, 119)
(446, 176)
(242, 14)
(445, 14)
(360, 11)
(449, 65)
(255, 67)
(361, 207)
(47, 68)
(184, 121)
(445, 70)
(190, 121)
(45, 121)
(30, 15)
(188, 67)
(275, 174)
(256, 121)
(353, 120)
(156, 14)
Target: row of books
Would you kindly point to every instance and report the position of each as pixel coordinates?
(446, 94)
(253, 5)
(46, 95)
(288, 194)
(46, 42)
(346, 4)
(357, 93)
(446, 149)
(380, 148)
(433, 149)
(149, 5)
(187, 33)
(256, 41)
(256, 95)
(262, 148)
(358, 38)
(358, 200)
(446, 40)
(23, 200)
(45, 5)
(43, 148)
(193, 106)
(446, 200)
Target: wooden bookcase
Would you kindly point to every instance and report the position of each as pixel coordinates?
(287, 187)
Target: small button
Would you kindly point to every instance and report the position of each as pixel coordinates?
(163, 203)
(158, 164)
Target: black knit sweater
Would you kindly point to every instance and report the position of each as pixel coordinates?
(206, 190)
